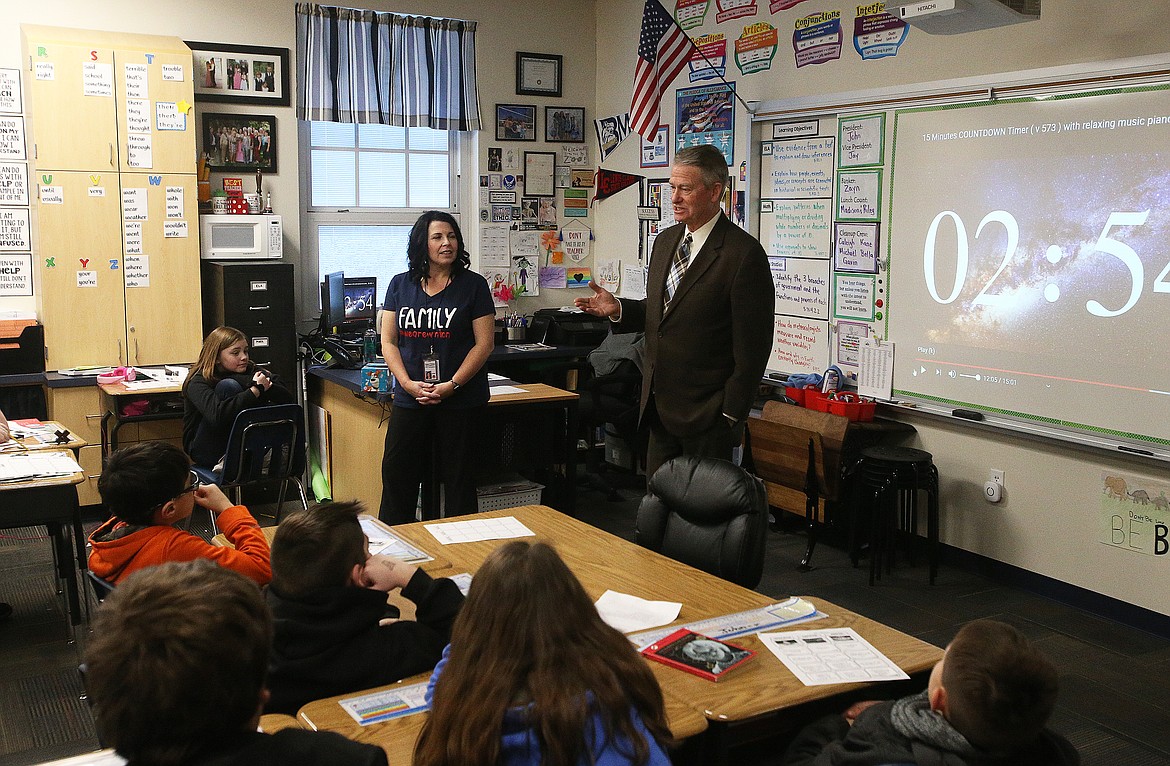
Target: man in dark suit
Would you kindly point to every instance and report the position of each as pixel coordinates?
(708, 317)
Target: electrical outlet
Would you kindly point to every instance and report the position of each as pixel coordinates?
(997, 476)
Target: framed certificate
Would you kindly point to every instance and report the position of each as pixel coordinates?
(538, 74)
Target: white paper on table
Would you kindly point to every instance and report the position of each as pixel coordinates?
(831, 656)
(627, 613)
(382, 706)
(492, 376)
(790, 612)
(37, 465)
(507, 390)
(463, 580)
(503, 528)
(386, 543)
(147, 385)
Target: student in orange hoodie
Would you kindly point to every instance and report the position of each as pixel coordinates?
(148, 487)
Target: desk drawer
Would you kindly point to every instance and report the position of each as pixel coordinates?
(90, 459)
(79, 409)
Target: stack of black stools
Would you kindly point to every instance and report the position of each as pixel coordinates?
(889, 481)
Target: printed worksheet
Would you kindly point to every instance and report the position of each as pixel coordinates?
(476, 530)
(382, 706)
(385, 542)
(831, 656)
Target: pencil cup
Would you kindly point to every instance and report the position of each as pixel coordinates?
(515, 333)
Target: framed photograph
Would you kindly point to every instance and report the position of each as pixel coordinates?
(245, 74)
(565, 124)
(538, 74)
(515, 122)
(240, 141)
(539, 174)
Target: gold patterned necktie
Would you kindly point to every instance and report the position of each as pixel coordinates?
(678, 267)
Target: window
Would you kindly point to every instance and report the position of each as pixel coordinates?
(363, 187)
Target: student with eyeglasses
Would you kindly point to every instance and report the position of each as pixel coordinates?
(147, 488)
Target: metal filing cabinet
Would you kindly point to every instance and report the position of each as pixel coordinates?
(255, 297)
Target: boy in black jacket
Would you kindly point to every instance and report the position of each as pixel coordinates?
(985, 705)
(328, 599)
(176, 671)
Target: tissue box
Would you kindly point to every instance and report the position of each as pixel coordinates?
(376, 378)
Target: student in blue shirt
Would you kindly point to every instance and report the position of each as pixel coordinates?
(437, 332)
(534, 677)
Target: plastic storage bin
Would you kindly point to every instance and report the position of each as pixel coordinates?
(494, 497)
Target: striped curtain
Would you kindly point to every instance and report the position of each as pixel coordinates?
(384, 68)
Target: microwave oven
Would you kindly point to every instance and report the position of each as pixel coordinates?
(226, 237)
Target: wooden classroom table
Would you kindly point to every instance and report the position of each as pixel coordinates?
(762, 688)
(115, 395)
(73, 443)
(52, 502)
(606, 562)
(398, 735)
(438, 566)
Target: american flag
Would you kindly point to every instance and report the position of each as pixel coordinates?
(663, 51)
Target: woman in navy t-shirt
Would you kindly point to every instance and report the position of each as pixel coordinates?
(437, 332)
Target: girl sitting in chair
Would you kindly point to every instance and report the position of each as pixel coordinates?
(547, 680)
(222, 383)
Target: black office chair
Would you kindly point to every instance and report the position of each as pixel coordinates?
(708, 513)
(266, 444)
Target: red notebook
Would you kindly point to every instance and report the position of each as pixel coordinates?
(695, 653)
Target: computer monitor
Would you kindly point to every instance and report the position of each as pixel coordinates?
(361, 303)
(333, 302)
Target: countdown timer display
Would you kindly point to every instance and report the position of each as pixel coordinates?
(1029, 247)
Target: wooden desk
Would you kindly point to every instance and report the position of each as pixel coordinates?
(52, 502)
(115, 395)
(274, 722)
(437, 564)
(398, 736)
(74, 442)
(359, 423)
(603, 561)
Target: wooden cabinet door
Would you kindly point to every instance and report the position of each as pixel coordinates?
(163, 312)
(156, 112)
(72, 106)
(79, 267)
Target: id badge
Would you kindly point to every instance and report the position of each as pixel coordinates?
(431, 368)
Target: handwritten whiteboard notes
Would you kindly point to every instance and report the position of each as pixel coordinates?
(795, 228)
(862, 140)
(859, 195)
(855, 247)
(797, 169)
(799, 344)
(802, 287)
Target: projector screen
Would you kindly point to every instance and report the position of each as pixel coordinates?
(1029, 252)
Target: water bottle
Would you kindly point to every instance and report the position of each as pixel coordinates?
(370, 346)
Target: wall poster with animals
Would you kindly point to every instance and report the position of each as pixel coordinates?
(1135, 514)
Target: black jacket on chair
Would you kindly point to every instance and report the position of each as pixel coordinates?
(707, 513)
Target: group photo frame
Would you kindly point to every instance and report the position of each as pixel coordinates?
(515, 122)
(564, 124)
(246, 74)
(240, 141)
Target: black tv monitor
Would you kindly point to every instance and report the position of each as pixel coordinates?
(361, 303)
(332, 302)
